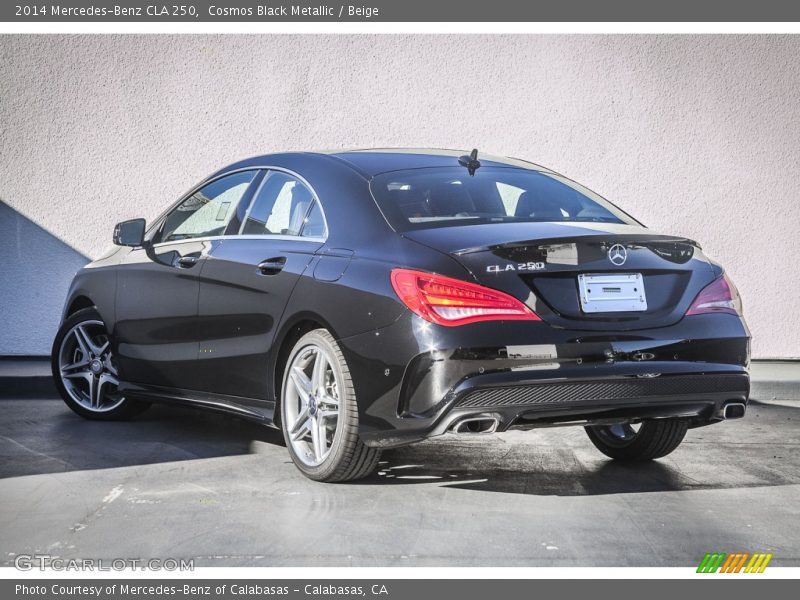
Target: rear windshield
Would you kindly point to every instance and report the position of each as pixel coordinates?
(448, 196)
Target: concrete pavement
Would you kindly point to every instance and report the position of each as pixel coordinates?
(183, 483)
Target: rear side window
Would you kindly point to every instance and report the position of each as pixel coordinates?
(207, 211)
(283, 205)
(447, 196)
(315, 223)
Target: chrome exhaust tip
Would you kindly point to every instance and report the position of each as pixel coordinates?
(475, 425)
(733, 410)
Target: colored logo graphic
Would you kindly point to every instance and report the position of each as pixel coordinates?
(740, 562)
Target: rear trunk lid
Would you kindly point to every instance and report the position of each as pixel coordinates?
(540, 264)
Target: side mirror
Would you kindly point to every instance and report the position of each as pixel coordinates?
(129, 233)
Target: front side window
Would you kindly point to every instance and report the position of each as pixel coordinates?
(447, 196)
(283, 205)
(207, 211)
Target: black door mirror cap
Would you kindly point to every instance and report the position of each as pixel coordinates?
(130, 233)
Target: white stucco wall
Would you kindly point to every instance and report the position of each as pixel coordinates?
(695, 135)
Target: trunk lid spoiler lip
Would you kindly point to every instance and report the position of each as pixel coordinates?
(611, 238)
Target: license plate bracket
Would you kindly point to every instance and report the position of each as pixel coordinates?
(617, 292)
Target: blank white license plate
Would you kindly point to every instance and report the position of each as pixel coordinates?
(623, 292)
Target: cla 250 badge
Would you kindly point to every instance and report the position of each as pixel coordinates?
(528, 266)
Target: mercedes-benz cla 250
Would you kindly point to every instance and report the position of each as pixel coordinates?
(361, 300)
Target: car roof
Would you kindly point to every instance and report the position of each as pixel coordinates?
(373, 161)
(369, 162)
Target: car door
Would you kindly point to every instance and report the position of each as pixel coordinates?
(158, 286)
(247, 280)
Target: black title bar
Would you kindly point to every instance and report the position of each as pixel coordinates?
(400, 10)
(741, 588)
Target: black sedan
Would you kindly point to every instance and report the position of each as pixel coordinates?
(368, 299)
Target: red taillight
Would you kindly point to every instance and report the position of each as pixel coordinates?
(447, 301)
(719, 296)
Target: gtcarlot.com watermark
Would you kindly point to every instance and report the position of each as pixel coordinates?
(46, 562)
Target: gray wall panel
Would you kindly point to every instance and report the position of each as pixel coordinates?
(695, 135)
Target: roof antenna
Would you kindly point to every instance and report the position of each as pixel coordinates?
(471, 162)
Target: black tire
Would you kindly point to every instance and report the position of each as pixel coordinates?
(120, 408)
(349, 458)
(654, 439)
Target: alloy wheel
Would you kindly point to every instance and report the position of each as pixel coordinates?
(87, 368)
(312, 404)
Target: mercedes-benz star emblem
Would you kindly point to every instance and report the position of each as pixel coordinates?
(617, 254)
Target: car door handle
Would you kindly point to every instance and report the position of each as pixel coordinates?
(187, 262)
(272, 266)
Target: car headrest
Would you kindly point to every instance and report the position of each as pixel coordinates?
(538, 206)
(451, 200)
(410, 202)
(300, 193)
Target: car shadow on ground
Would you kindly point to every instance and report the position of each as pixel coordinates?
(604, 477)
(761, 450)
(600, 477)
(39, 437)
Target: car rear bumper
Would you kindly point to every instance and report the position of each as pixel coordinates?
(420, 385)
(699, 397)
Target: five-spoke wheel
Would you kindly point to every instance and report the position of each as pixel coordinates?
(319, 414)
(312, 404)
(85, 371)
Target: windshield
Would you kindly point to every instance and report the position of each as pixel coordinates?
(449, 196)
